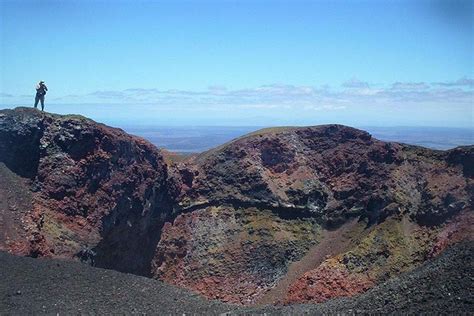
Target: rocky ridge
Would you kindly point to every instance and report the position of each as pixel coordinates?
(97, 193)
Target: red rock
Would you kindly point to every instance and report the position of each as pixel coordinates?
(326, 283)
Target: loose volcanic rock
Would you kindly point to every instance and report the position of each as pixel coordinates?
(33, 286)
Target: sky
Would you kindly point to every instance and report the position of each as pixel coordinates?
(247, 63)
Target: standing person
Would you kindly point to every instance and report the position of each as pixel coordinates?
(40, 93)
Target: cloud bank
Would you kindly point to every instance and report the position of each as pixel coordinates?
(325, 97)
(355, 101)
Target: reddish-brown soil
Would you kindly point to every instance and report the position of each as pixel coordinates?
(332, 243)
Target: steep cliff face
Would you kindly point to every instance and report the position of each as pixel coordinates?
(97, 193)
(255, 206)
(281, 215)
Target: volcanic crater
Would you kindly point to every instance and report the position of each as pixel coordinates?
(279, 216)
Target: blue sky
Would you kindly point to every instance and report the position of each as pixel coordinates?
(243, 62)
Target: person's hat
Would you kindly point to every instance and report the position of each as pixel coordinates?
(41, 81)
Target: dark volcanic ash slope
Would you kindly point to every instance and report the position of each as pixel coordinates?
(90, 187)
(32, 286)
(51, 286)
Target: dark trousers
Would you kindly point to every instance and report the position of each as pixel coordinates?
(38, 98)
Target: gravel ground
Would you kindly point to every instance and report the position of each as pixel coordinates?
(34, 286)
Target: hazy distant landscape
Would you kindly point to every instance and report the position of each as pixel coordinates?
(201, 138)
(431, 137)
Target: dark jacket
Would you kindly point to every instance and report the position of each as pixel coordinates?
(41, 89)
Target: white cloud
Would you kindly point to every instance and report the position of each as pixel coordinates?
(462, 82)
(281, 96)
(410, 86)
(355, 83)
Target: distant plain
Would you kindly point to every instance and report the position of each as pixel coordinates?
(201, 138)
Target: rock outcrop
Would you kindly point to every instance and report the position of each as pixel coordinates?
(97, 193)
(230, 223)
(332, 172)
